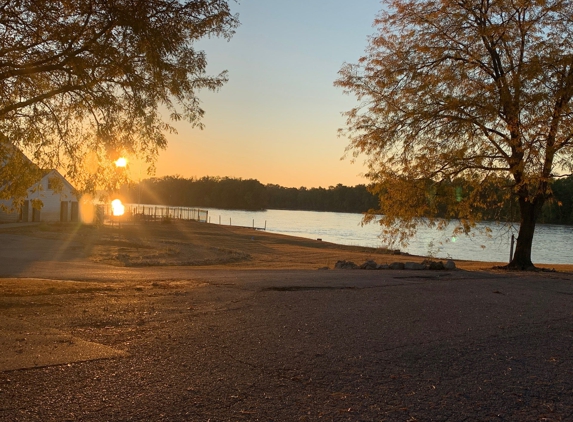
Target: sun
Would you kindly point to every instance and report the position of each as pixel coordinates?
(121, 162)
(117, 208)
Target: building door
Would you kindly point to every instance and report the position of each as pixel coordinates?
(64, 211)
(25, 211)
(35, 215)
(75, 212)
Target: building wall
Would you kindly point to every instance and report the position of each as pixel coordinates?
(50, 211)
(51, 200)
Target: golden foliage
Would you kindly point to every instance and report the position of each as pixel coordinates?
(82, 81)
(472, 90)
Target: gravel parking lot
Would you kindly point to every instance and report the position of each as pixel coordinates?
(187, 344)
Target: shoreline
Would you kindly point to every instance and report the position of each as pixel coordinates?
(428, 241)
(204, 245)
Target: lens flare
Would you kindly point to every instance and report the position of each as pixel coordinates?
(87, 209)
(117, 208)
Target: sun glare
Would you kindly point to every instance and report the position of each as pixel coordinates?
(87, 209)
(117, 208)
(121, 162)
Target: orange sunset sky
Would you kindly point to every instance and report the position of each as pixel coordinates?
(276, 120)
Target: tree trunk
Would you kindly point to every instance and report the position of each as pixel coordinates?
(529, 212)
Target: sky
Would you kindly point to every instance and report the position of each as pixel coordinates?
(277, 118)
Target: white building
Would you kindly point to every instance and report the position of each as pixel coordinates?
(56, 196)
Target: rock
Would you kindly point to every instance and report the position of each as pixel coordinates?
(397, 266)
(437, 265)
(396, 252)
(414, 266)
(433, 265)
(345, 265)
(382, 267)
(450, 265)
(324, 268)
(369, 265)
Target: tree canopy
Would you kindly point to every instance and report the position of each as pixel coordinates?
(83, 81)
(455, 96)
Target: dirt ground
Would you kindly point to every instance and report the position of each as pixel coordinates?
(211, 246)
(185, 322)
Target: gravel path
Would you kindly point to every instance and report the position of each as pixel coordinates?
(305, 345)
(184, 344)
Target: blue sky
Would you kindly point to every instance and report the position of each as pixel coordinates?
(276, 120)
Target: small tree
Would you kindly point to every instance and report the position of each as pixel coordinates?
(83, 81)
(478, 91)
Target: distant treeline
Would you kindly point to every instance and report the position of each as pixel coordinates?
(230, 193)
(560, 209)
(250, 194)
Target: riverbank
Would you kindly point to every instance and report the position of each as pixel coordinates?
(487, 242)
(179, 243)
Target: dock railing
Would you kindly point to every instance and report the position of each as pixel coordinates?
(135, 212)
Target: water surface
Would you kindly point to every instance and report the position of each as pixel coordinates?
(552, 244)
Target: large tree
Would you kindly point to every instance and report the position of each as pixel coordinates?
(457, 97)
(83, 81)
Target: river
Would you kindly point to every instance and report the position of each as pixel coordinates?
(552, 244)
